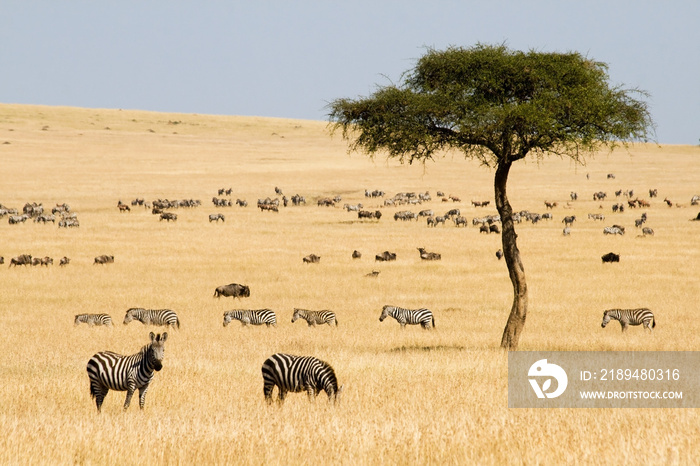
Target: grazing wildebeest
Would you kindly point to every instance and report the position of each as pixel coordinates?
(311, 259)
(46, 261)
(168, 216)
(232, 290)
(611, 257)
(104, 259)
(646, 231)
(429, 256)
(385, 256)
(23, 259)
(568, 221)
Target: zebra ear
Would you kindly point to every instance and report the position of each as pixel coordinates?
(164, 337)
(153, 336)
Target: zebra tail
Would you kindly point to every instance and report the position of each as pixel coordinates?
(178, 323)
(653, 322)
(433, 321)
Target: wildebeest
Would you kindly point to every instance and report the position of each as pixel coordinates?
(499, 254)
(356, 254)
(567, 221)
(104, 259)
(311, 259)
(232, 290)
(385, 256)
(429, 256)
(64, 261)
(611, 257)
(23, 259)
(168, 216)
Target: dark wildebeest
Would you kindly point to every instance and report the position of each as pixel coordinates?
(64, 261)
(429, 256)
(385, 256)
(611, 257)
(356, 254)
(104, 259)
(23, 259)
(232, 290)
(311, 259)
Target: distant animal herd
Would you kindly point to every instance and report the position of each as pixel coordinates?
(289, 373)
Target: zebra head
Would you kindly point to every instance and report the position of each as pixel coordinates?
(297, 315)
(129, 315)
(606, 319)
(227, 318)
(386, 310)
(156, 350)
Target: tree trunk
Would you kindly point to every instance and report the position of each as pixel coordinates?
(516, 320)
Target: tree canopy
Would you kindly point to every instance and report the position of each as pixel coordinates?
(495, 104)
(498, 106)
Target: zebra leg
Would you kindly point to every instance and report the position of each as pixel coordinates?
(100, 395)
(311, 392)
(624, 327)
(131, 388)
(282, 394)
(267, 390)
(142, 396)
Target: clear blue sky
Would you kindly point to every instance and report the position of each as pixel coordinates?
(290, 58)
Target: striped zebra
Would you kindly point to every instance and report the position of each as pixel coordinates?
(111, 371)
(409, 316)
(93, 319)
(296, 374)
(315, 317)
(252, 317)
(152, 317)
(627, 317)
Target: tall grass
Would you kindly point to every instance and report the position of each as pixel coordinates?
(410, 396)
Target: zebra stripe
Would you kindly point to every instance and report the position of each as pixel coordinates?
(424, 317)
(252, 317)
(315, 317)
(152, 317)
(291, 373)
(93, 319)
(111, 371)
(627, 317)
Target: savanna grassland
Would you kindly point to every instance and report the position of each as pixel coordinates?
(409, 397)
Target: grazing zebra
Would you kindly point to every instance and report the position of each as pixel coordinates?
(252, 317)
(424, 317)
(628, 317)
(152, 317)
(93, 319)
(296, 374)
(315, 317)
(111, 371)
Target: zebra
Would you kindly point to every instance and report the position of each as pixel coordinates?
(93, 319)
(252, 317)
(627, 317)
(422, 316)
(296, 374)
(111, 371)
(315, 317)
(152, 317)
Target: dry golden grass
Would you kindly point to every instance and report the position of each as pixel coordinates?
(411, 397)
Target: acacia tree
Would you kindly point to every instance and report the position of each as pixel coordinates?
(497, 106)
